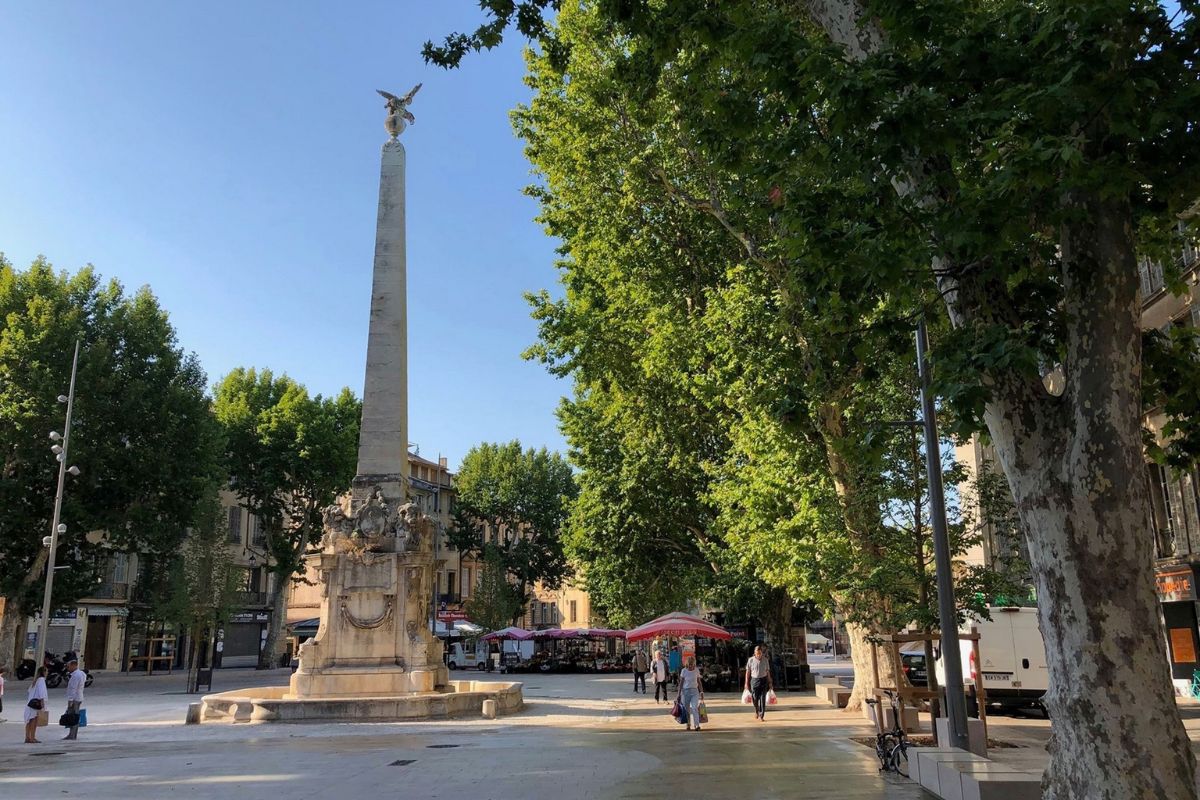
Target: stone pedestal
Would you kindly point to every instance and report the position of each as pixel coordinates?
(376, 570)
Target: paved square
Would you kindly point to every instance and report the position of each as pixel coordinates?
(581, 736)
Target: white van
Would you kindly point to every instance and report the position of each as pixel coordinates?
(1012, 659)
(466, 655)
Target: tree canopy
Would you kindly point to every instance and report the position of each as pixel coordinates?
(142, 434)
(288, 455)
(510, 506)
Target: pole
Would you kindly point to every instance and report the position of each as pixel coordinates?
(44, 623)
(956, 707)
(437, 541)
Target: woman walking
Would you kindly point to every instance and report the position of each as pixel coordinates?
(758, 682)
(691, 692)
(34, 703)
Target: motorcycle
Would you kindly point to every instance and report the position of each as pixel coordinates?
(56, 669)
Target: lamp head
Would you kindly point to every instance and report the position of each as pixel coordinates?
(56, 449)
(62, 528)
(62, 398)
(74, 470)
(54, 436)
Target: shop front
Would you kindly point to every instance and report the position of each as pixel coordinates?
(1176, 585)
(242, 638)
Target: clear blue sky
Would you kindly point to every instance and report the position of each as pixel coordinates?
(227, 154)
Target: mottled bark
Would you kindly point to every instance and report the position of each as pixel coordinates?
(1076, 467)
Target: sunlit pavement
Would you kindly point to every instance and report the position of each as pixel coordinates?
(581, 736)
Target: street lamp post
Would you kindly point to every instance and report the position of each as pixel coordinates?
(956, 707)
(61, 453)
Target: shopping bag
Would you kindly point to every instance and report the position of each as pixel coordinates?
(83, 717)
(677, 709)
(771, 698)
(43, 718)
(68, 720)
(703, 712)
(747, 698)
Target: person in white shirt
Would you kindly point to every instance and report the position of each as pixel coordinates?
(74, 695)
(758, 681)
(35, 702)
(691, 692)
(662, 673)
(1, 693)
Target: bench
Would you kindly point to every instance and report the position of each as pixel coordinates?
(833, 693)
(954, 774)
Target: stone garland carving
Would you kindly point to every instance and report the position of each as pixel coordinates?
(370, 624)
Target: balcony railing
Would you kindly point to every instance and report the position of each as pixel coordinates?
(250, 598)
(110, 591)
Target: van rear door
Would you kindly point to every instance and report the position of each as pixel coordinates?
(1029, 652)
(998, 663)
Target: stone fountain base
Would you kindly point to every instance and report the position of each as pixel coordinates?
(272, 704)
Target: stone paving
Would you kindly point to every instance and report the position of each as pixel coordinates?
(580, 737)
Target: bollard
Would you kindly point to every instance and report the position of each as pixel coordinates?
(489, 709)
(193, 714)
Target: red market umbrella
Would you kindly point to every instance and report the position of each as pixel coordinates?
(520, 634)
(677, 624)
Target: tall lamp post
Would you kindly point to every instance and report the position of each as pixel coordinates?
(56, 528)
(956, 706)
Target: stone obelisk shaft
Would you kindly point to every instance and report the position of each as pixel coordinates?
(383, 440)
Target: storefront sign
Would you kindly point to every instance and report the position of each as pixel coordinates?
(451, 616)
(249, 616)
(1183, 646)
(1175, 584)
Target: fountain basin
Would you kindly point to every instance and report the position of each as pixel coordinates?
(269, 704)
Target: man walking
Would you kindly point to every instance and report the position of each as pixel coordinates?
(74, 695)
(758, 681)
(661, 673)
(640, 668)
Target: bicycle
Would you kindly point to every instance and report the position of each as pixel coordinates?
(891, 747)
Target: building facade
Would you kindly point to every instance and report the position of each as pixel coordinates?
(1174, 493)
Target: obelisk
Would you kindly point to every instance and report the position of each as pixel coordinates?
(383, 439)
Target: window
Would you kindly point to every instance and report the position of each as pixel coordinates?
(466, 582)
(235, 525)
(258, 532)
(1163, 522)
(450, 583)
(545, 615)
(573, 617)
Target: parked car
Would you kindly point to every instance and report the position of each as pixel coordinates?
(915, 668)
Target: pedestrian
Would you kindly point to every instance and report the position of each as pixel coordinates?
(661, 674)
(74, 695)
(674, 661)
(641, 665)
(758, 682)
(1, 694)
(34, 703)
(691, 692)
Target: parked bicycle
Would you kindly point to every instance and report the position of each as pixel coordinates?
(892, 746)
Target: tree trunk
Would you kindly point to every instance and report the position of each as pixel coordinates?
(11, 620)
(1078, 477)
(267, 658)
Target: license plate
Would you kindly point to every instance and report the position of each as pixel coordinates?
(997, 676)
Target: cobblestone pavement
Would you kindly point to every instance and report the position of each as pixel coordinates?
(580, 737)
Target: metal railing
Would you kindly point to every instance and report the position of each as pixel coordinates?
(110, 591)
(250, 598)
